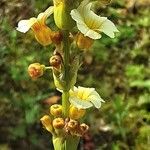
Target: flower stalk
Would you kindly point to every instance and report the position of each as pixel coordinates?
(65, 94)
(65, 103)
(65, 121)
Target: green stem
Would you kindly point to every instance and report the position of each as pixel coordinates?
(66, 47)
(65, 103)
(48, 68)
(65, 95)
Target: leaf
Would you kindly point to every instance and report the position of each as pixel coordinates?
(141, 84)
(31, 114)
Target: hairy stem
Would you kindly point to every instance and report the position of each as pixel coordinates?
(65, 103)
(65, 95)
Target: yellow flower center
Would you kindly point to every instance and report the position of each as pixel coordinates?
(92, 24)
(83, 94)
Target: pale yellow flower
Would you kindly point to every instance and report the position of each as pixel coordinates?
(90, 24)
(83, 98)
(38, 25)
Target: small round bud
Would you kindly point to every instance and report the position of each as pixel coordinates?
(56, 37)
(83, 128)
(36, 70)
(75, 113)
(56, 110)
(58, 123)
(47, 123)
(72, 125)
(55, 61)
(83, 42)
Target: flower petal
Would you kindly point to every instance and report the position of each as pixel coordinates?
(95, 99)
(77, 16)
(87, 31)
(85, 92)
(46, 14)
(79, 103)
(25, 25)
(108, 28)
(49, 11)
(96, 102)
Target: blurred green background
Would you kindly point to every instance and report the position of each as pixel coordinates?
(118, 68)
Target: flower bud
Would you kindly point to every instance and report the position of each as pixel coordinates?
(75, 113)
(72, 125)
(56, 110)
(83, 42)
(62, 15)
(56, 37)
(58, 123)
(83, 128)
(47, 123)
(56, 61)
(36, 70)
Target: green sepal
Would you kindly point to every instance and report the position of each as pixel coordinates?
(58, 79)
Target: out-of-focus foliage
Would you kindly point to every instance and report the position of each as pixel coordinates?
(118, 68)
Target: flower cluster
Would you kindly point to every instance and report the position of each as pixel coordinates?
(90, 25)
(57, 125)
(77, 27)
